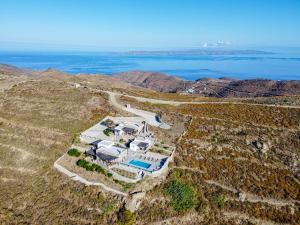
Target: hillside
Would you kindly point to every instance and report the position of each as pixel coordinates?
(154, 80)
(238, 161)
(212, 87)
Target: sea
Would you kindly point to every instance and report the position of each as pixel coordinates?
(281, 65)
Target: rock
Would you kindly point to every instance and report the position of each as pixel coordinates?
(258, 144)
(219, 148)
(134, 200)
(261, 146)
(248, 141)
(241, 196)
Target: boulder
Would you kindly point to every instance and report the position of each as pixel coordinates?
(258, 144)
(262, 147)
(134, 200)
(241, 196)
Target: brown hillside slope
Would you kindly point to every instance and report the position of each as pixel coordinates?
(212, 87)
(155, 81)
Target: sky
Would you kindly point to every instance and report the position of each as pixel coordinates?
(109, 25)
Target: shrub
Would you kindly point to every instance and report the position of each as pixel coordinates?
(76, 139)
(92, 167)
(109, 174)
(183, 195)
(126, 217)
(99, 169)
(125, 185)
(107, 132)
(108, 207)
(220, 200)
(82, 163)
(242, 132)
(74, 152)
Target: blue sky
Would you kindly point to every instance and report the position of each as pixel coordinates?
(147, 24)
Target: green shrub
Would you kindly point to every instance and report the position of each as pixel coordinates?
(108, 207)
(99, 169)
(177, 174)
(92, 167)
(107, 131)
(82, 163)
(109, 174)
(126, 217)
(220, 200)
(76, 139)
(125, 185)
(183, 195)
(74, 152)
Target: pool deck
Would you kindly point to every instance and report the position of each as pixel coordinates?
(151, 158)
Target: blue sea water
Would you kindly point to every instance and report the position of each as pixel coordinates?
(278, 66)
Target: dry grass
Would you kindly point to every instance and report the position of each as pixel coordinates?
(218, 146)
(39, 119)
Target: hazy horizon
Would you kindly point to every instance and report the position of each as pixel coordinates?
(78, 36)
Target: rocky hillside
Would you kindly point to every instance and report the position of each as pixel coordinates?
(155, 81)
(211, 87)
(208, 87)
(234, 164)
(12, 70)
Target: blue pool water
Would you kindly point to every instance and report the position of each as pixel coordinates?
(140, 164)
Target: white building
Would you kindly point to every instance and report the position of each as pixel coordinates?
(140, 143)
(106, 151)
(128, 128)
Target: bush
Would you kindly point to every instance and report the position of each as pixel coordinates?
(125, 185)
(220, 200)
(99, 169)
(108, 208)
(82, 163)
(76, 139)
(126, 217)
(242, 132)
(107, 132)
(183, 195)
(74, 152)
(109, 174)
(92, 167)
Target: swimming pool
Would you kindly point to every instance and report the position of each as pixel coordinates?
(140, 164)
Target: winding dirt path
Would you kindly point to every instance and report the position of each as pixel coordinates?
(76, 177)
(177, 103)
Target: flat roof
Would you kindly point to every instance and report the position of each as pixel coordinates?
(95, 142)
(143, 144)
(105, 157)
(128, 129)
(112, 150)
(131, 125)
(105, 143)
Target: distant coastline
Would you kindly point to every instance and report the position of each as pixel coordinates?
(211, 51)
(187, 64)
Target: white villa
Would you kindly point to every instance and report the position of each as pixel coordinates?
(140, 144)
(124, 146)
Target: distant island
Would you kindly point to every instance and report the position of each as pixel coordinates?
(211, 51)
